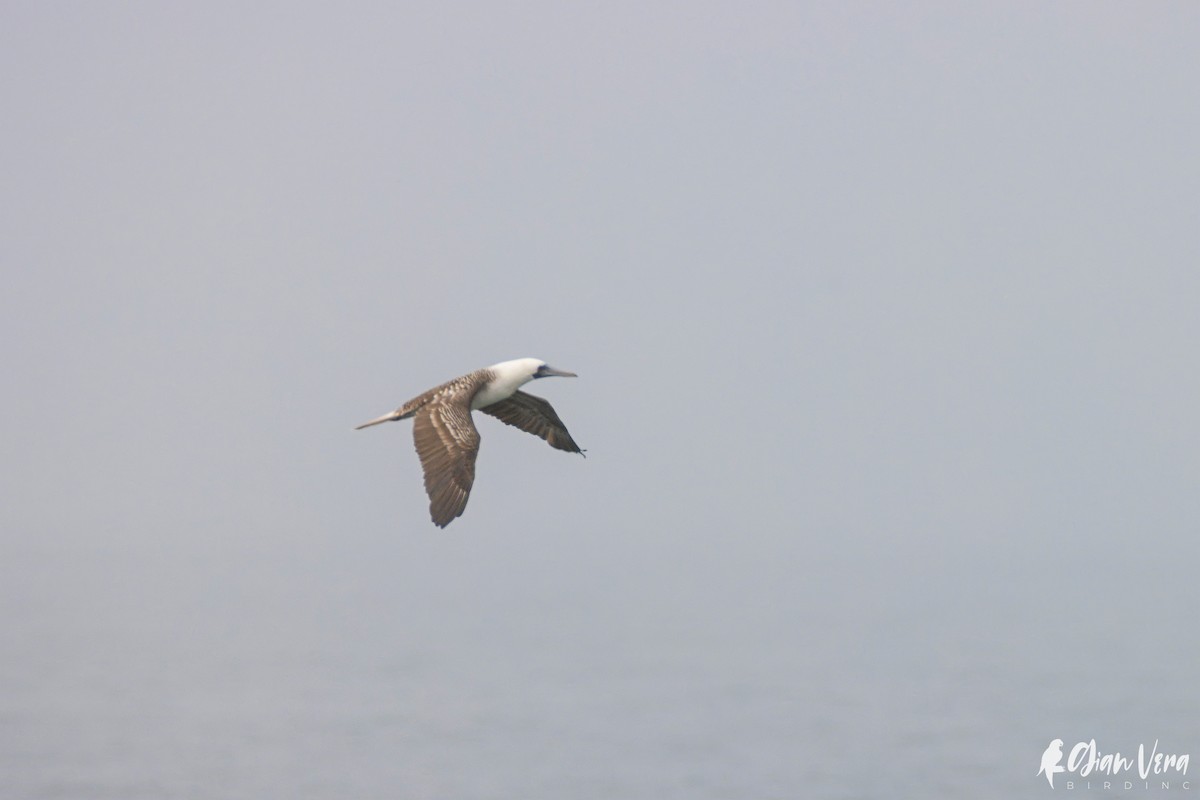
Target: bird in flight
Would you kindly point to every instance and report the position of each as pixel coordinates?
(445, 435)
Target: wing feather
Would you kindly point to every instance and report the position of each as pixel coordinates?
(533, 415)
(447, 444)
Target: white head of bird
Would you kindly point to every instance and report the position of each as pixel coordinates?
(512, 375)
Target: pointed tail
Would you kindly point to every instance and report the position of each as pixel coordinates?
(388, 417)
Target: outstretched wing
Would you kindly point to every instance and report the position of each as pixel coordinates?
(533, 415)
(447, 444)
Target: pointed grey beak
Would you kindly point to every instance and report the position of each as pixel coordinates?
(550, 372)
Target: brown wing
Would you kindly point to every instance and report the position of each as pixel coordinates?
(447, 444)
(533, 415)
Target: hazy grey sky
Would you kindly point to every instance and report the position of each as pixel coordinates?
(895, 270)
(893, 304)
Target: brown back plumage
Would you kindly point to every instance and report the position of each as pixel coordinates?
(465, 386)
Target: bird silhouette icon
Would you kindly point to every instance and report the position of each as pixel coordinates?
(1050, 760)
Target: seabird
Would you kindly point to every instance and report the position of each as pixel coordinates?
(445, 435)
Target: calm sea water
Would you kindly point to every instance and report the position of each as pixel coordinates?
(378, 670)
